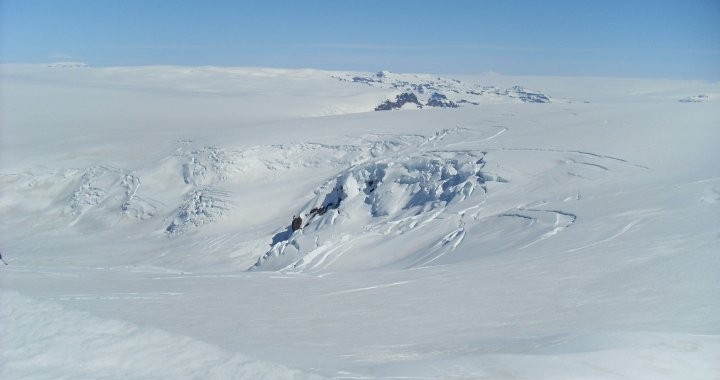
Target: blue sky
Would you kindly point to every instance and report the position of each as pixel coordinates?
(662, 38)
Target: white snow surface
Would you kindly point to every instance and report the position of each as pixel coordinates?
(146, 223)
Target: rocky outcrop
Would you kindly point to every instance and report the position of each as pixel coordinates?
(400, 101)
(527, 96)
(439, 100)
(694, 99)
(430, 91)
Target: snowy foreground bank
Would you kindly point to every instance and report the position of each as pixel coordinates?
(483, 227)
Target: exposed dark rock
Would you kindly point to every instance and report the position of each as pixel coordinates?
(365, 80)
(694, 99)
(332, 201)
(432, 91)
(527, 96)
(296, 223)
(400, 100)
(439, 100)
(318, 210)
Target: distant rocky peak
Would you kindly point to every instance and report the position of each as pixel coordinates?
(440, 100)
(432, 91)
(527, 96)
(400, 101)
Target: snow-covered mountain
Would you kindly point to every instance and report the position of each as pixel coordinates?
(207, 222)
(429, 91)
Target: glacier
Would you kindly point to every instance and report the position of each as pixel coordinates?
(561, 232)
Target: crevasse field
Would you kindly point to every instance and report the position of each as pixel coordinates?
(565, 229)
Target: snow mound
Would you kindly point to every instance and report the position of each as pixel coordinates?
(374, 196)
(188, 188)
(423, 198)
(200, 207)
(93, 197)
(103, 189)
(207, 165)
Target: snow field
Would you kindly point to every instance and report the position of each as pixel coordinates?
(571, 239)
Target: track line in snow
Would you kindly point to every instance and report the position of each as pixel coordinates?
(313, 261)
(590, 164)
(334, 259)
(498, 133)
(562, 221)
(559, 226)
(366, 288)
(576, 152)
(440, 249)
(454, 239)
(622, 231)
(114, 296)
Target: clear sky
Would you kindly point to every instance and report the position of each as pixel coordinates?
(629, 38)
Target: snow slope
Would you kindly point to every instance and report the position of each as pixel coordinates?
(147, 211)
